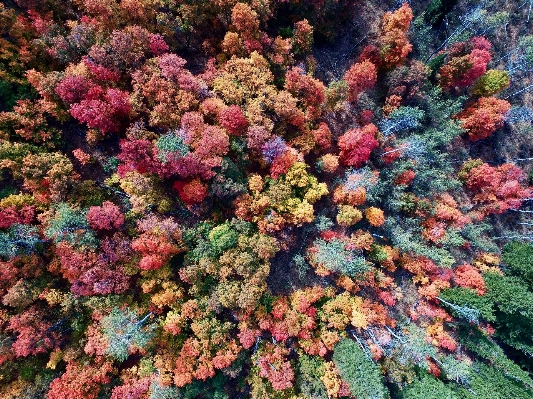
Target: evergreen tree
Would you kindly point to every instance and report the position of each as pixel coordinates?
(360, 373)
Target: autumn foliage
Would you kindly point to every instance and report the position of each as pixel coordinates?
(394, 43)
(467, 61)
(356, 145)
(263, 199)
(483, 117)
(496, 189)
(105, 217)
(80, 381)
(360, 76)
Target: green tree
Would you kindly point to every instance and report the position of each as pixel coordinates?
(124, 331)
(70, 225)
(491, 383)
(427, 387)
(513, 304)
(486, 348)
(223, 237)
(310, 369)
(360, 373)
(519, 258)
(335, 257)
(467, 304)
(19, 239)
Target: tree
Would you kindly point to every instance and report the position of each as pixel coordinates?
(104, 110)
(356, 145)
(348, 215)
(273, 149)
(49, 176)
(156, 250)
(467, 61)
(360, 373)
(159, 241)
(491, 83)
(492, 383)
(19, 239)
(105, 217)
(394, 44)
(495, 189)
(375, 216)
(35, 334)
(427, 386)
(125, 332)
(126, 49)
(510, 297)
(483, 117)
(302, 39)
(134, 389)
(334, 256)
(74, 89)
(361, 76)
(84, 381)
(518, 257)
(469, 277)
(192, 192)
(274, 367)
(310, 370)
(70, 225)
(159, 391)
(245, 20)
(233, 120)
(310, 91)
(32, 120)
(92, 274)
(15, 214)
(401, 119)
(138, 155)
(167, 90)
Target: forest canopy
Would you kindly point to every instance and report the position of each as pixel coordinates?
(266, 199)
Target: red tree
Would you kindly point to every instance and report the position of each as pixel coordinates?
(160, 239)
(192, 192)
(360, 76)
(483, 117)
(138, 155)
(283, 163)
(405, 178)
(371, 53)
(467, 61)
(322, 136)
(104, 110)
(156, 249)
(11, 215)
(92, 274)
(74, 89)
(80, 381)
(357, 144)
(495, 189)
(207, 145)
(233, 120)
(132, 389)
(469, 277)
(105, 217)
(309, 90)
(35, 333)
(275, 368)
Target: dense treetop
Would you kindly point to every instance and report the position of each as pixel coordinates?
(267, 199)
